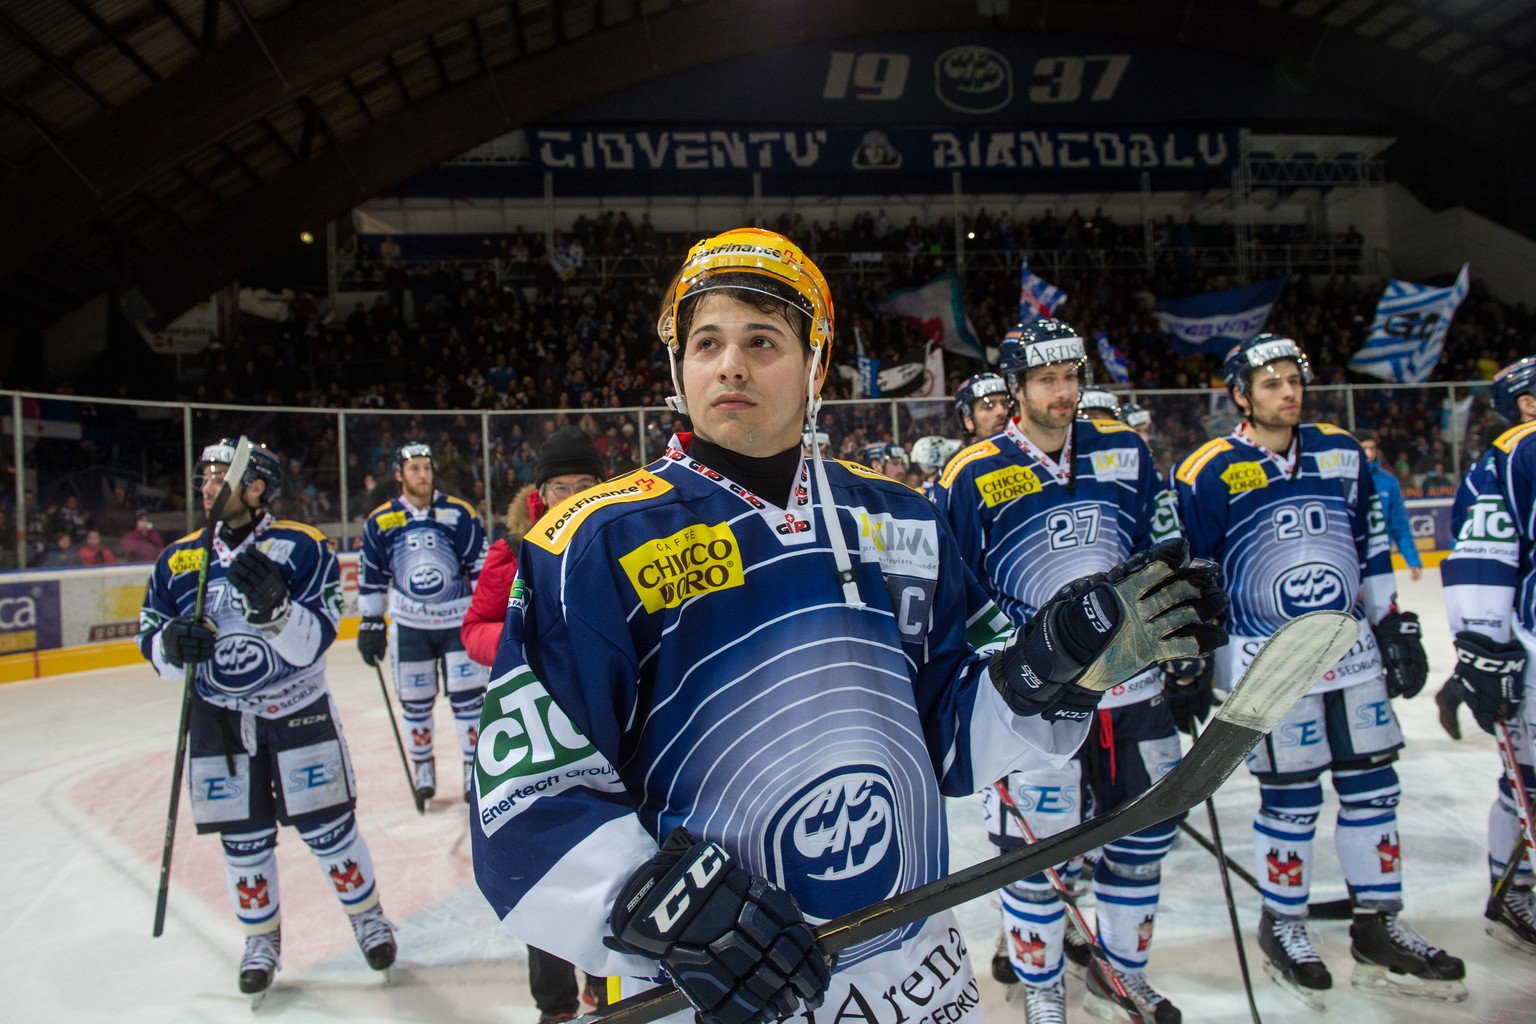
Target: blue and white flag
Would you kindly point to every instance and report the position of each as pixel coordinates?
(937, 310)
(869, 377)
(1113, 360)
(1038, 298)
(1215, 321)
(1409, 331)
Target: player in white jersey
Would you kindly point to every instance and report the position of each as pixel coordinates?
(1048, 498)
(426, 550)
(751, 676)
(1490, 597)
(264, 744)
(1289, 510)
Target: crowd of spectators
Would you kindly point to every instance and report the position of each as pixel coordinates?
(543, 338)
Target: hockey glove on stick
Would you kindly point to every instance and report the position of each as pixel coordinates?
(1187, 688)
(372, 641)
(735, 944)
(261, 586)
(1490, 677)
(1448, 702)
(1402, 653)
(1099, 631)
(186, 641)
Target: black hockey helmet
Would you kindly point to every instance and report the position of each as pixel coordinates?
(411, 450)
(261, 464)
(1516, 379)
(1040, 343)
(1257, 352)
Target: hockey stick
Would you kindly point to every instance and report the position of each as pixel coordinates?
(1322, 910)
(389, 710)
(1286, 667)
(1107, 975)
(1526, 839)
(1226, 888)
(232, 478)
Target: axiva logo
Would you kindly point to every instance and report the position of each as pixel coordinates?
(842, 828)
(1315, 586)
(903, 547)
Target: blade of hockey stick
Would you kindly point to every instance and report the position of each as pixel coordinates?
(1286, 667)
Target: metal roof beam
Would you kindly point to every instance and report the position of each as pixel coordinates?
(85, 11)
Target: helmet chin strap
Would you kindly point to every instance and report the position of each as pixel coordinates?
(829, 515)
(676, 402)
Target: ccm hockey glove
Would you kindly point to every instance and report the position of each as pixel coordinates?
(1099, 631)
(372, 639)
(735, 944)
(1187, 688)
(1402, 653)
(186, 641)
(1490, 677)
(261, 586)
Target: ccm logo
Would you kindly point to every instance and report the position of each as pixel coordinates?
(676, 901)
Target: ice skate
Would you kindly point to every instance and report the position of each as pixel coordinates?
(1078, 953)
(1512, 919)
(1002, 969)
(1290, 960)
(469, 782)
(1151, 1005)
(1043, 1004)
(425, 777)
(1392, 958)
(258, 965)
(375, 937)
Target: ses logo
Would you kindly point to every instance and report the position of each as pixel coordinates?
(840, 829)
(1315, 586)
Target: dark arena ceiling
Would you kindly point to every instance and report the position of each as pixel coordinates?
(166, 145)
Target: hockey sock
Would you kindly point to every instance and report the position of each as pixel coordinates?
(344, 858)
(250, 874)
(417, 715)
(1126, 883)
(1504, 827)
(1035, 924)
(1366, 836)
(1283, 831)
(466, 719)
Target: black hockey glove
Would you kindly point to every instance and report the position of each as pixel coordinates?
(1490, 677)
(1448, 701)
(1402, 654)
(261, 586)
(1187, 688)
(187, 641)
(1099, 631)
(372, 640)
(735, 944)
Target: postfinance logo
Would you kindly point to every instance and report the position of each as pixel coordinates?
(698, 560)
(1244, 476)
(1007, 483)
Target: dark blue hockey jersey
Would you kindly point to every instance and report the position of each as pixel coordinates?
(1490, 582)
(427, 558)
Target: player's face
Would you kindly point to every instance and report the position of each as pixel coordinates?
(745, 374)
(1369, 446)
(1145, 431)
(235, 511)
(415, 477)
(989, 414)
(1275, 395)
(896, 469)
(1048, 399)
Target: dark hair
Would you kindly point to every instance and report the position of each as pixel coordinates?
(749, 288)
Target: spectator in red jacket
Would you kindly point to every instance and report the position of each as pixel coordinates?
(91, 551)
(568, 463)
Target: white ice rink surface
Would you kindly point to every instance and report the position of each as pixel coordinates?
(85, 763)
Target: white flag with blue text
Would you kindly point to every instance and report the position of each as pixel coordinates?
(1409, 331)
(1113, 359)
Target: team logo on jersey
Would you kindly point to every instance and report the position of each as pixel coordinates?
(426, 580)
(692, 562)
(241, 663)
(1007, 483)
(1244, 476)
(840, 828)
(186, 560)
(1315, 586)
(903, 547)
(1116, 464)
(1337, 464)
(389, 520)
(554, 531)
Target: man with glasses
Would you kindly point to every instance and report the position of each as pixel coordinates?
(426, 549)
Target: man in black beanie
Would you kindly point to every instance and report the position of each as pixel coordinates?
(568, 462)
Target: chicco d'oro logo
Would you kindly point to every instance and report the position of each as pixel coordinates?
(1007, 483)
(694, 561)
(1244, 476)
